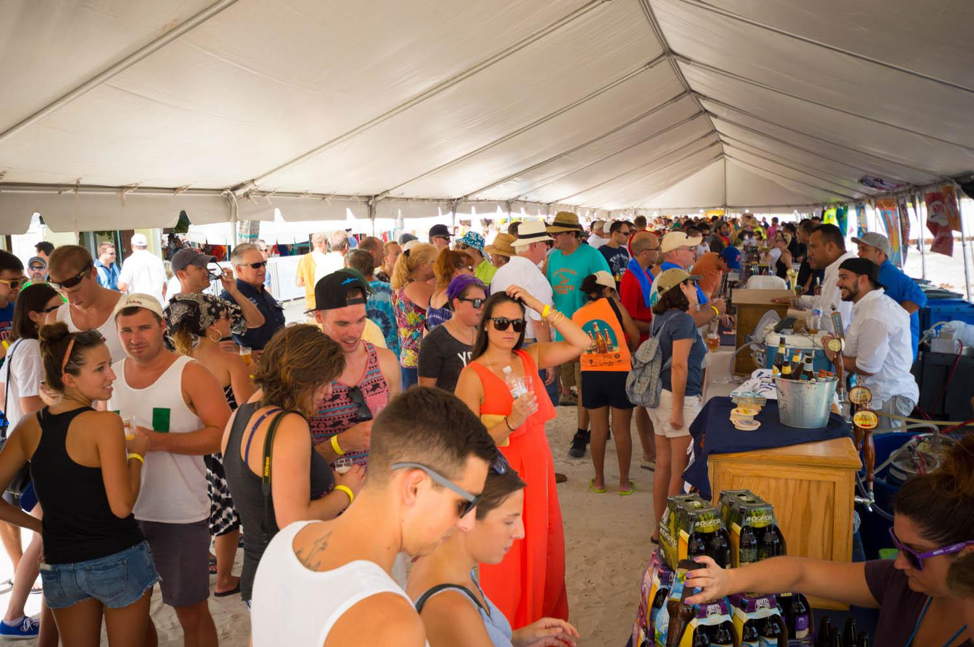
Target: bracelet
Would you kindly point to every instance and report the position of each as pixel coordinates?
(508, 424)
(6, 344)
(546, 312)
(137, 457)
(334, 445)
(347, 490)
(716, 311)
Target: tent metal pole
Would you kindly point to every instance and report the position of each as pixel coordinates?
(918, 210)
(372, 213)
(963, 246)
(232, 199)
(116, 68)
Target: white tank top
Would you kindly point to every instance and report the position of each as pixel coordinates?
(294, 606)
(173, 485)
(107, 330)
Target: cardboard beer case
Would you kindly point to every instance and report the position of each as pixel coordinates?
(684, 515)
(743, 508)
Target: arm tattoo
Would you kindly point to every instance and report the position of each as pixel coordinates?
(312, 557)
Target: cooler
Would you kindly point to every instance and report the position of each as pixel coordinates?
(793, 343)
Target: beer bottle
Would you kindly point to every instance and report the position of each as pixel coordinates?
(723, 636)
(654, 610)
(771, 633)
(701, 637)
(824, 631)
(862, 640)
(696, 545)
(802, 620)
(786, 371)
(835, 637)
(749, 634)
(599, 340)
(720, 548)
(849, 632)
(796, 365)
(749, 546)
(680, 616)
(779, 358)
(772, 544)
(808, 371)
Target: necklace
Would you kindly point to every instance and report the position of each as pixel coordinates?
(916, 628)
(464, 334)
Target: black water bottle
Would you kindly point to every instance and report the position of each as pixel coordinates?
(748, 546)
(720, 548)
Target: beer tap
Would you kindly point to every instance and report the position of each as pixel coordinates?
(864, 420)
(836, 345)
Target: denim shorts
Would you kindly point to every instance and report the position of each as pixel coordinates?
(116, 581)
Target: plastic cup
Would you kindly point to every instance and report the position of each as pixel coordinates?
(343, 465)
(246, 354)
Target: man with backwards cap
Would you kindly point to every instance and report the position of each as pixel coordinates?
(342, 423)
(899, 287)
(143, 271)
(877, 342)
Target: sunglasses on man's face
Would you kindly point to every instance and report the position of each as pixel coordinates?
(254, 266)
(470, 501)
(37, 268)
(476, 303)
(74, 280)
(13, 284)
(916, 559)
(501, 324)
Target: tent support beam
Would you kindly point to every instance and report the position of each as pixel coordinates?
(928, 172)
(789, 179)
(797, 170)
(423, 96)
(764, 86)
(658, 159)
(118, 67)
(631, 75)
(702, 4)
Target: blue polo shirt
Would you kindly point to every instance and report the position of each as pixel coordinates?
(900, 288)
(701, 298)
(107, 275)
(257, 338)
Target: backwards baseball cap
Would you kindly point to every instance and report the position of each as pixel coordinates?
(331, 291)
(138, 300)
(862, 266)
(678, 240)
(139, 240)
(440, 230)
(731, 256)
(189, 256)
(605, 279)
(672, 278)
(875, 239)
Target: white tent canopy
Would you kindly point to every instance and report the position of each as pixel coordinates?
(117, 113)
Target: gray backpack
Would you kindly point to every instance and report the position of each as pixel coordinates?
(643, 384)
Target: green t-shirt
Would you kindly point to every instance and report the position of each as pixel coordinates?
(566, 273)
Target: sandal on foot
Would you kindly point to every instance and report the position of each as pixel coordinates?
(591, 486)
(632, 488)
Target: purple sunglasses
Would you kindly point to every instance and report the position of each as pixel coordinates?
(916, 559)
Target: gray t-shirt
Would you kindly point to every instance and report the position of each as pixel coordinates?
(443, 356)
(679, 325)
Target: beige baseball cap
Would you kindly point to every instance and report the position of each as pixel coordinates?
(137, 300)
(605, 279)
(678, 239)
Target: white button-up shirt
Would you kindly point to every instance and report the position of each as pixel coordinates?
(879, 339)
(830, 296)
(522, 272)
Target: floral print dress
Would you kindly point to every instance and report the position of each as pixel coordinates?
(411, 319)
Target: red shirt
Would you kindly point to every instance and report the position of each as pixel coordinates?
(631, 294)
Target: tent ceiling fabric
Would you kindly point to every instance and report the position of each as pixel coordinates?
(587, 104)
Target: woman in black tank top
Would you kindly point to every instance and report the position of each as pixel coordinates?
(87, 477)
(297, 366)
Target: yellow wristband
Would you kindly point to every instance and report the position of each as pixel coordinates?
(347, 490)
(6, 344)
(334, 445)
(716, 311)
(137, 457)
(546, 312)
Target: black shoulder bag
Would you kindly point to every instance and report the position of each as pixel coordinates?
(22, 479)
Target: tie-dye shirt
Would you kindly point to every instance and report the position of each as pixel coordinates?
(411, 320)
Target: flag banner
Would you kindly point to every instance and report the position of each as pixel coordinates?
(842, 218)
(942, 214)
(890, 217)
(904, 226)
(861, 227)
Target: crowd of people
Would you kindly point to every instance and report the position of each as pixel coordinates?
(407, 416)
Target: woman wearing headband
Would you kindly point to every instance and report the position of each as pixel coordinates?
(917, 597)
(198, 324)
(87, 478)
(503, 387)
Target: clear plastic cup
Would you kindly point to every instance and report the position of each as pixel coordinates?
(246, 354)
(343, 465)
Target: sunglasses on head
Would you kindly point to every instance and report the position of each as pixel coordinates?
(13, 284)
(916, 559)
(476, 303)
(254, 266)
(501, 324)
(76, 279)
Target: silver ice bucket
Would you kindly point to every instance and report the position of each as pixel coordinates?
(805, 404)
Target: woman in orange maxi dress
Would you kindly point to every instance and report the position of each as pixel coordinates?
(529, 584)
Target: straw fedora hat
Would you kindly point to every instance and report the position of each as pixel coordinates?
(564, 221)
(502, 246)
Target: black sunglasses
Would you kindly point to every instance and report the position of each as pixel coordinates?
(477, 303)
(255, 266)
(49, 310)
(76, 279)
(501, 324)
(356, 396)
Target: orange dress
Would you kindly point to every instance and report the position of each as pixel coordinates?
(529, 584)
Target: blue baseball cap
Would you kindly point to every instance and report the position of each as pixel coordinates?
(731, 256)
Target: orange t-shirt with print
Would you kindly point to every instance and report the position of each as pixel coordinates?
(609, 350)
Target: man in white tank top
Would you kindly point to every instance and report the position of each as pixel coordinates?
(72, 271)
(329, 583)
(179, 404)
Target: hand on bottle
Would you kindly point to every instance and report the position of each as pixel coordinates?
(713, 581)
(547, 632)
(524, 408)
(352, 479)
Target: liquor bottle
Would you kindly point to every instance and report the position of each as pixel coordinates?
(599, 340)
(772, 544)
(749, 634)
(701, 637)
(748, 545)
(824, 631)
(862, 640)
(697, 545)
(723, 636)
(802, 627)
(720, 548)
(849, 632)
(771, 631)
(808, 371)
(779, 358)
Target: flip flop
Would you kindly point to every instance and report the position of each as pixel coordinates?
(212, 566)
(655, 540)
(223, 594)
(632, 488)
(591, 486)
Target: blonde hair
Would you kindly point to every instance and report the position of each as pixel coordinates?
(410, 261)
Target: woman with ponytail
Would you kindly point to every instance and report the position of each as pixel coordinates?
(87, 476)
(410, 298)
(920, 594)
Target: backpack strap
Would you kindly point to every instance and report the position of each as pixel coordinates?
(424, 598)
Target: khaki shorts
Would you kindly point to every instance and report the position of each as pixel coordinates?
(660, 416)
(571, 375)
